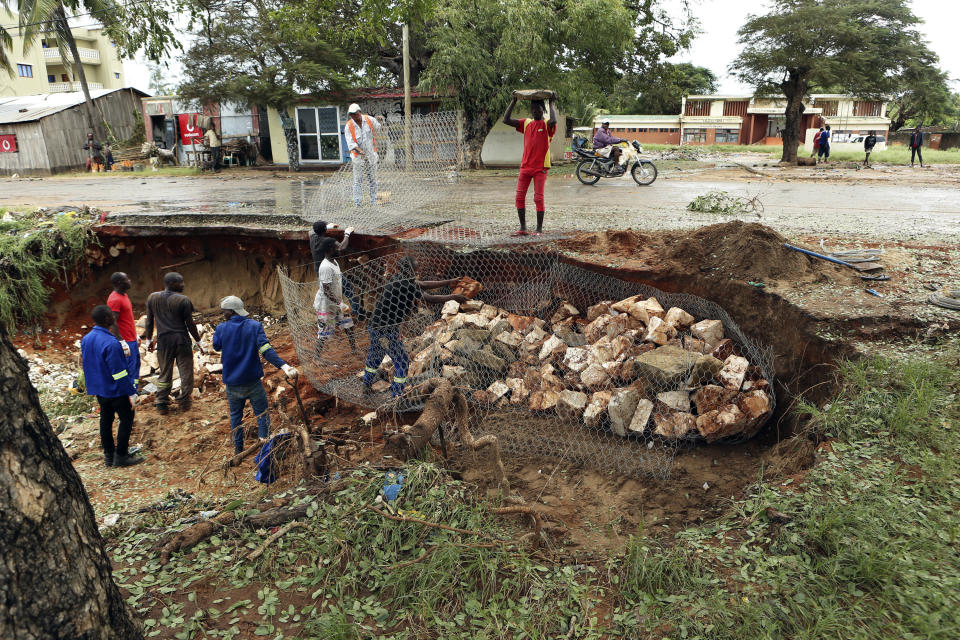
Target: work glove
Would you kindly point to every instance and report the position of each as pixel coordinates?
(133, 400)
(348, 231)
(344, 307)
(126, 349)
(289, 371)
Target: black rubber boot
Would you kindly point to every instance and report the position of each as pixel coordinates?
(108, 459)
(125, 460)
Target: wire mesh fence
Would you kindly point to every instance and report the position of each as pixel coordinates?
(400, 186)
(556, 360)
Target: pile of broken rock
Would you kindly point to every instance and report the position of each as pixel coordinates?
(628, 366)
(206, 367)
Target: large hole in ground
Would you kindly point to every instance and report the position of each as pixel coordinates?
(585, 505)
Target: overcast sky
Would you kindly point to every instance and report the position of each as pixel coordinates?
(716, 47)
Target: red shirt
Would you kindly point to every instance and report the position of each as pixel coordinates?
(537, 135)
(120, 303)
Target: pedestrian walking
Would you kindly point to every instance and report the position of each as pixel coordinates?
(916, 146)
(816, 142)
(398, 299)
(535, 162)
(824, 151)
(316, 236)
(106, 376)
(92, 147)
(125, 327)
(215, 146)
(171, 313)
(332, 310)
(360, 132)
(868, 144)
(241, 341)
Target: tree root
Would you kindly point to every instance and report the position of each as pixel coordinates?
(534, 535)
(240, 457)
(407, 443)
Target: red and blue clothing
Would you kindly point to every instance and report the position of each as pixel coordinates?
(105, 368)
(537, 135)
(120, 304)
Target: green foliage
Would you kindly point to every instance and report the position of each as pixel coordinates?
(266, 53)
(724, 203)
(871, 548)
(863, 47)
(32, 251)
(486, 50)
(660, 90)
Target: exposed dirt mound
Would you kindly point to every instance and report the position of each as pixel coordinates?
(748, 251)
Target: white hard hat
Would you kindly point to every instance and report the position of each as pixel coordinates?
(353, 108)
(235, 304)
(605, 121)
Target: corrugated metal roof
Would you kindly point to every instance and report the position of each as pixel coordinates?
(31, 108)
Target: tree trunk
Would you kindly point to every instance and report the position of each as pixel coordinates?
(290, 135)
(794, 88)
(55, 578)
(475, 130)
(94, 117)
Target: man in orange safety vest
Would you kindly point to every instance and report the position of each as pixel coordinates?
(360, 133)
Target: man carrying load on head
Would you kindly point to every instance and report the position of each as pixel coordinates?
(360, 133)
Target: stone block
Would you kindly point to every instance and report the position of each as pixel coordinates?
(595, 329)
(518, 390)
(641, 416)
(553, 347)
(619, 325)
(450, 308)
(674, 425)
(503, 351)
(497, 390)
(571, 405)
(755, 405)
(710, 331)
(535, 336)
(499, 326)
(597, 310)
(596, 412)
(723, 349)
(520, 323)
(477, 335)
(570, 337)
(755, 385)
(666, 365)
(733, 372)
(704, 371)
(678, 318)
(659, 332)
(594, 377)
(454, 373)
(623, 404)
(471, 306)
(474, 320)
(487, 358)
(694, 344)
(543, 400)
(512, 339)
(711, 397)
(576, 359)
(565, 311)
(676, 400)
(721, 423)
(489, 311)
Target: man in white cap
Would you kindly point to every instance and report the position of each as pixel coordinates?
(360, 133)
(603, 142)
(241, 341)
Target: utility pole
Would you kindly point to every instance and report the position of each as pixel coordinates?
(407, 112)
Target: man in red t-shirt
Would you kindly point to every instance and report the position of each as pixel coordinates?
(537, 134)
(119, 303)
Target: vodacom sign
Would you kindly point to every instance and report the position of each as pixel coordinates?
(189, 133)
(8, 143)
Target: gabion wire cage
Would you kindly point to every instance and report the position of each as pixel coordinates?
(556, 360)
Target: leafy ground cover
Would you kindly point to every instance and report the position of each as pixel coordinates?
(862, 545)
(33, 248)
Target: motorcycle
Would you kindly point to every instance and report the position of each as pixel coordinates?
(592, 167)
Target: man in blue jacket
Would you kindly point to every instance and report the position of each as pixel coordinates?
(241, 341)
(106, 376)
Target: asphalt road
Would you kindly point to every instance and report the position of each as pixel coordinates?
(878, 209)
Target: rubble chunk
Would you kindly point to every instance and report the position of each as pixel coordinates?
(723, 349)
(565, 311)
(659, 332)
(710, 331)
(596, 412)
(678, 318)
(571, 404)
(595, 376)
(711, 397)
(705, 369)
(755, 405)
(497, 390)
(721, 423)
(454, 373)
(576, 358)
(676, 400)
(485, 357)
(674, 424)
(733, 372)
(599, 309)
(570, 337)
(512, 339)
(553, 347)
(595, 329)
(641, 416)
(518, 390)
(694, 344)
(471, 306)
(623, 404)
(666, 365)
(543, 400)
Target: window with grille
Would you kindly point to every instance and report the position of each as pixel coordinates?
(25, 70)
(869, 108)
(694, 135)
(735, 108)
(829, 108)
(318, 129)
(697, 108)
(727, 136)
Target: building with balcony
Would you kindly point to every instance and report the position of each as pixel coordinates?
(723, 119)
(40, 69)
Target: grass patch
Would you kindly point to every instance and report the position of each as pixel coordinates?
(725, 203)
(898, 155)
(717, 148)
(162, 172)
(34, 248)
(872, 547)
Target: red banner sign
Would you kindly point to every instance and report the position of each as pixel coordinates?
(189, 133)
(8, 143)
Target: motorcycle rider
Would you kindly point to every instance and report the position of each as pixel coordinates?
(603, 142)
